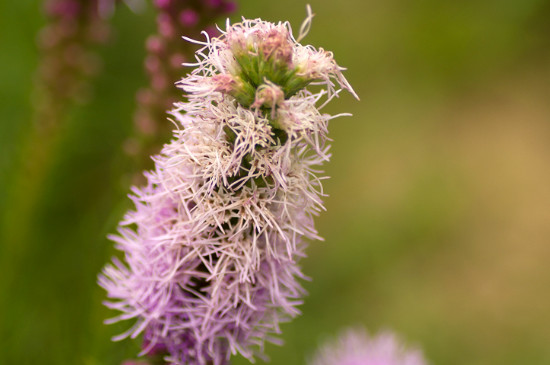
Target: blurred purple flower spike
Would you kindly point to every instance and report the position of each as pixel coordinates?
(166, 52)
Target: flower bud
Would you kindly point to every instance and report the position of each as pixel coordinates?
(277, 46)
(268, 95)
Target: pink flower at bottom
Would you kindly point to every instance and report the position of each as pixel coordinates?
(356, 347)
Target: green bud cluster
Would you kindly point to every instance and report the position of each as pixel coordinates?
(262, 65)
(266, 64)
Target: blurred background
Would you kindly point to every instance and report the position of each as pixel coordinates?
(438, 219)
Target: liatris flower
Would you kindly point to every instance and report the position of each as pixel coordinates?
(213, 245)
(356, 347)
(66, 42)
(67, 61)
(166, 52)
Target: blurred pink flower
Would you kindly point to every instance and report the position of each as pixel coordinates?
(356, 347)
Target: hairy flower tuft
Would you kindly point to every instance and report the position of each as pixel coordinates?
(165, 54)
(213, 244)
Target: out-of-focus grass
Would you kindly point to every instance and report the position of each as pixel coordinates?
(438, 216)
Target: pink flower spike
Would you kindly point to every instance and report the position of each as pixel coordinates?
(213, 243)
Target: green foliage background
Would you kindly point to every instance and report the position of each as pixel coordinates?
(438, 220)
